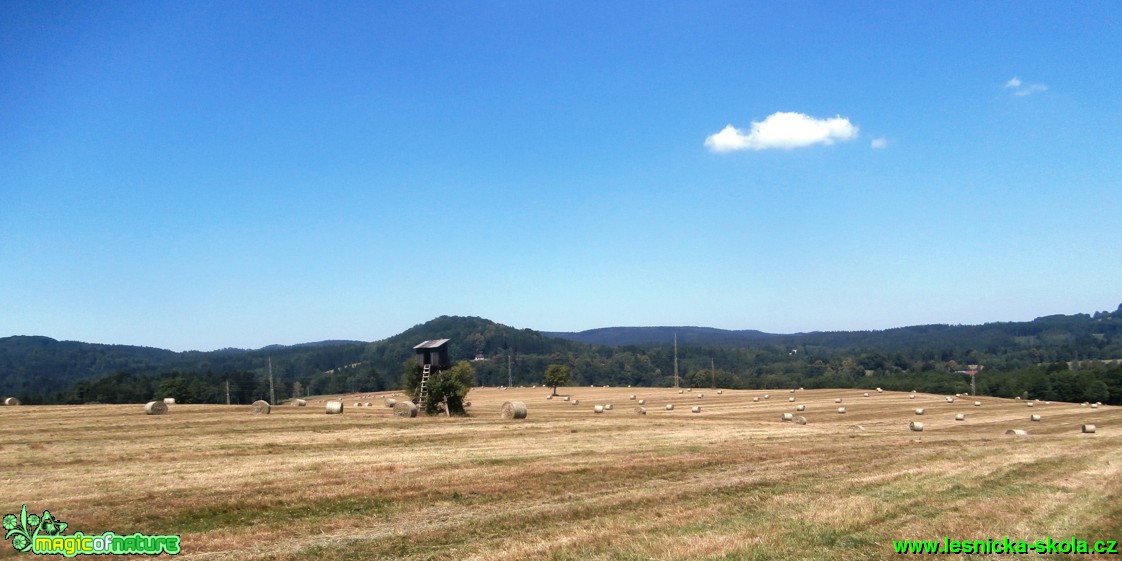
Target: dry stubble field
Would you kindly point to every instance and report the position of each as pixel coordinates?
(731, 482)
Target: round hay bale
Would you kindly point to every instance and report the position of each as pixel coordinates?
(11, 401)
(719, 392)
(359, 404)
(640, 410)
(513, 410)
(631, 397)
(696, 409)
(866, 394)
(1017, 432)
(575, 402)
(880, 390)
(916, 426)
(156, 408)
(767, 396)
(799, 419)
(755, 399)
(261, 407)
(950, 399)
(790, 400)
(169, 401)
(800, 408)
(977, 404)
(841, 410)
(467, 404)
(919, 411)
(669, 406)
(549, 396)
(960, 417)
(597, 408)
(700, 395)
(1087, 429)
(838, 400)
(566, 398)
(680, 392)
(391, 402)
(1034, 418)
(300, 402)
(607, 407)
(334, 407)
(788, 417)
(1030, 404)
(642, 402)
(368, 404)
(405, 409)
(913, 396)
(1094, 406)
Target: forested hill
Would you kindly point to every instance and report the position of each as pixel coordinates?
(1057, 337)
(1054, 357)
(41, 369)
(646, 336)
(37, 367)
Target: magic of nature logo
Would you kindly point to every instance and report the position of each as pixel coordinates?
(45, 535)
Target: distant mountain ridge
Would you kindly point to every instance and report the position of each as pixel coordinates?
(45, 367)
(620, 336)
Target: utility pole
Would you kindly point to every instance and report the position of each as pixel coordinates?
(509, 375)
(272, 394)
(675, 361)
(228, 392)
(713, 372)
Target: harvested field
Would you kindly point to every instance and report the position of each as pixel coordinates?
(730, 482)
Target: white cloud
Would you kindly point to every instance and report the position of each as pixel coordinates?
(879, 143)
(783, 130)
(1019, 88)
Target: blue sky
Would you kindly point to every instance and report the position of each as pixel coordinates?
(198, 175)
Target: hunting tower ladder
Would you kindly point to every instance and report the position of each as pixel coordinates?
(423, 389)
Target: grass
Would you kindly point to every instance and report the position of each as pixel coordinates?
(732, 482)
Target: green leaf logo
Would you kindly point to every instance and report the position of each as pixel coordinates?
(23, 529)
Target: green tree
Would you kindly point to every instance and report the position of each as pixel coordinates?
(176, 387)
(557, 375)
(410, 376)
(450, 386)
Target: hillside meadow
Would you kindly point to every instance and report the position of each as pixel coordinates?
(730, 482)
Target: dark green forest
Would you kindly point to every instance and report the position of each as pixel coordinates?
(1061, 357)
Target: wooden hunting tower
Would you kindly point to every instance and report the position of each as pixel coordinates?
(433, 356)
